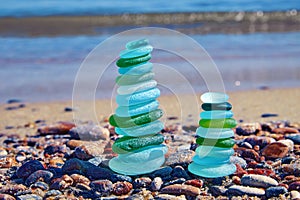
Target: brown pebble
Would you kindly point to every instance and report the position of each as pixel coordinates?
(248, 153)
(194, 182)
(275, 150)
(7, 162)
(77, 178)
(61, 183)
(285, 130)
(121, 188)
(56, 162)
(60, 128)
(6, 197)
(236, 180)
(294, 186)
(239, 171)
(12, 188)
(179, 189)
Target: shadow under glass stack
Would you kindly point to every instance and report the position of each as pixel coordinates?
(215, 138)
(139, 148)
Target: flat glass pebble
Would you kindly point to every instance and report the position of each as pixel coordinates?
(212, 171)
(145, 118)
(214, 133)
(130, 89)
(138, 98)
(217, 152)
(122, 62)
(143, 130)
(217, 114)
(214, 97)
(218, 123)
(211, 161)
(144, 154)
(137, 43)
(216, 106)
(224, 143)
(136, 52)
(133, 79)
(137, 69)
(132, 168)
(128, 144)
(128, 111)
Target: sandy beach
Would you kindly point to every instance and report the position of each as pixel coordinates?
(248, 106)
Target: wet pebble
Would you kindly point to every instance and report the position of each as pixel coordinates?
(6, 197)
(242, 190)
(156, 184)
(43, 175)
(179, 172)
(28, 168)
(248, 129)
(102, 186)
(275, 150)
(89, 132)
(238, 160)
(60, 128)
(258, 181)
(121, 188)
(142, 182)
(29, 197)
(41, 185)
(275, 191)
(294, 137)
(294, 195)
(179, 189)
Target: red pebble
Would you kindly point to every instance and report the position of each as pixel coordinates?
(239, 171)
(195, 182)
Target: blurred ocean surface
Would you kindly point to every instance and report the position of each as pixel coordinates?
(21, 8)
(44, 68)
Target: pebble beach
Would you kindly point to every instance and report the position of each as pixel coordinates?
(44, 155)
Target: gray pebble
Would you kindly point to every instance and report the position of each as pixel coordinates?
(29, 197)
(41, 185)
(162, 172)
(118, 177)
(179, 172)
(156, 184)
(142, 182)
(275, 191)
(238, 160)
(258, 181)
(217, 190)
(242, 190)
(40, 174)
(294, 137)
(102, 186)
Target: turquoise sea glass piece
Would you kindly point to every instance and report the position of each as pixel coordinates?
(210, 161)
(212, 171)
(138, 98)
(136, 52)
(217, 152)
(214, 97)
(137, 69)
(137, 43)
(215, 133)
(130, 89)
(128, 111)
(143, 130)
(133, 79)
(216, 114)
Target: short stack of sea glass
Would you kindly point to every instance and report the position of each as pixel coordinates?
(212, 158)
(140, 149)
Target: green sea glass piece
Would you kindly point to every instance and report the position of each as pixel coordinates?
(133, 79)
(124, 62)
(125, 122)
(216, 106)
(127, 144)
(224, 143)
(218, 123)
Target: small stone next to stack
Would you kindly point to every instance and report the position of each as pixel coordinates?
(215, 141)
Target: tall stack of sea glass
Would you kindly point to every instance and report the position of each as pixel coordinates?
(139, 148)
(215, 137)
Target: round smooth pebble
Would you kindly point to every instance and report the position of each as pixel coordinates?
(214, 97)
(242, 190)
(275, 191)
(256, 180)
